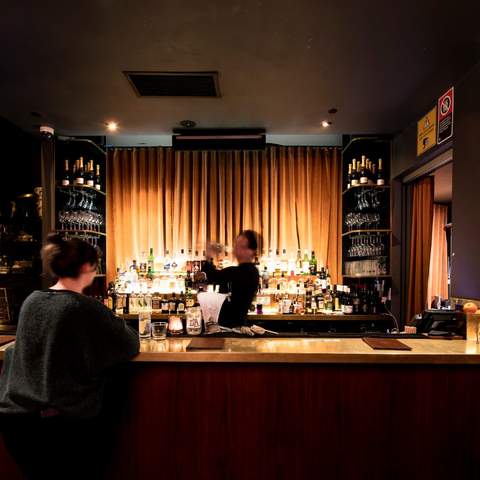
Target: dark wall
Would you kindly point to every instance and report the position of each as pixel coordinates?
(466, 165)
(466, 198)
(19, 161)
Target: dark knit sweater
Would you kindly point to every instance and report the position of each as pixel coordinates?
(65, 343)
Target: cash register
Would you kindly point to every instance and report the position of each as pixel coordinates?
(442, 323)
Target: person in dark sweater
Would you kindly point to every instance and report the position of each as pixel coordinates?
(240, 281)
(52, 381)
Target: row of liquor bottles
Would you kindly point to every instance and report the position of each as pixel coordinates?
(170, 274)
(81, 174)
(151, 265)
(306, 299)
(365, 172)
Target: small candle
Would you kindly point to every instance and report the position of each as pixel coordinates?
(175, 325)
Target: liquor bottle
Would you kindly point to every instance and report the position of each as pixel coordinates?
(298, 268)
(328, 299)
(320, 301)
(305, 262)
(328, 279)
(309, 301)
(97, 179)
(66, 179)
(348, 304)
(90, 174)
(151, 261)
(172, 304)
(363, 172)
(166, 264)
(181, 304)
(112, 297)
(313, 264)
(380, 178)
(354, 178)
(80, 173)
(149, 274)
(278, 264)
(74, 172)
(284, 262)
(165, 305)
(356, 303)
(349, 176)
(265, 278)
(336, 298)
(189, 300)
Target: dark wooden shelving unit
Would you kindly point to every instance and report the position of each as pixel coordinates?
(372, 147)
(72, 148)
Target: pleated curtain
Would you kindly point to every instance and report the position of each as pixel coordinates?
(438, 275)
(180, 200)
(420, 246)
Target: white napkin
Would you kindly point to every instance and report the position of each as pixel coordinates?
(211, 304)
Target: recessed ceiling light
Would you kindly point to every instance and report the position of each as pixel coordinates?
(188, 123)
(326, 124)
(112, 126)
(333, 110)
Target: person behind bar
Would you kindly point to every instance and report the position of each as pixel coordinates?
(240, 281)
(52, 381)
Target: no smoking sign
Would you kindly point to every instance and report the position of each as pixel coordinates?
(445, 116)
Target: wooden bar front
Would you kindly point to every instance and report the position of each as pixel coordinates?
(365, 415)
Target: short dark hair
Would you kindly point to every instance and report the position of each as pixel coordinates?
(64, 258)
(253, 238)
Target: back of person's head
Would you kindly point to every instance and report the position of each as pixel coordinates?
(254, 239)
(65, 258)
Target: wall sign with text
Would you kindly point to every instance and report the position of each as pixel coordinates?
(427, 131)
(445, 116)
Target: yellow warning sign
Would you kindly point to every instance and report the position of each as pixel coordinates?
(427, 131)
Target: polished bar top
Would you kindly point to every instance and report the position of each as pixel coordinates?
(251, 317)
(303, 350)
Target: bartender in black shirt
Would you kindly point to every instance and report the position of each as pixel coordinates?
(240, 281)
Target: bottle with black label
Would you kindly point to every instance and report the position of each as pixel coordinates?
(349, 176)
(97, 179)
(380, 177)
(90, 174)
(66, 179)
(363, 172)
(80, 173)
(172, 304)
(354, 177)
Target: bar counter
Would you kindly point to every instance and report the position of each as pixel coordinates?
(294, 409)
(307, 350)
(303, 350)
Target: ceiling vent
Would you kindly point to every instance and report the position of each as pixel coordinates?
(174, 84)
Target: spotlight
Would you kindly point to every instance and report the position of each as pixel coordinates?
(326, 124)
(112, 126)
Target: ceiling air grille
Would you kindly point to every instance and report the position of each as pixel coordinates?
(174, 84)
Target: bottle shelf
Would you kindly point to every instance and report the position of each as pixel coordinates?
(80, 187)
(91, 232)
(375, 230)
(367, 276)
(375, 187)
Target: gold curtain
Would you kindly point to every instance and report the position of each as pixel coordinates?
(420, 246)
(172, 200)
(438, 277)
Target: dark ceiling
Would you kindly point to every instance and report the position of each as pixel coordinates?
(282, 64)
